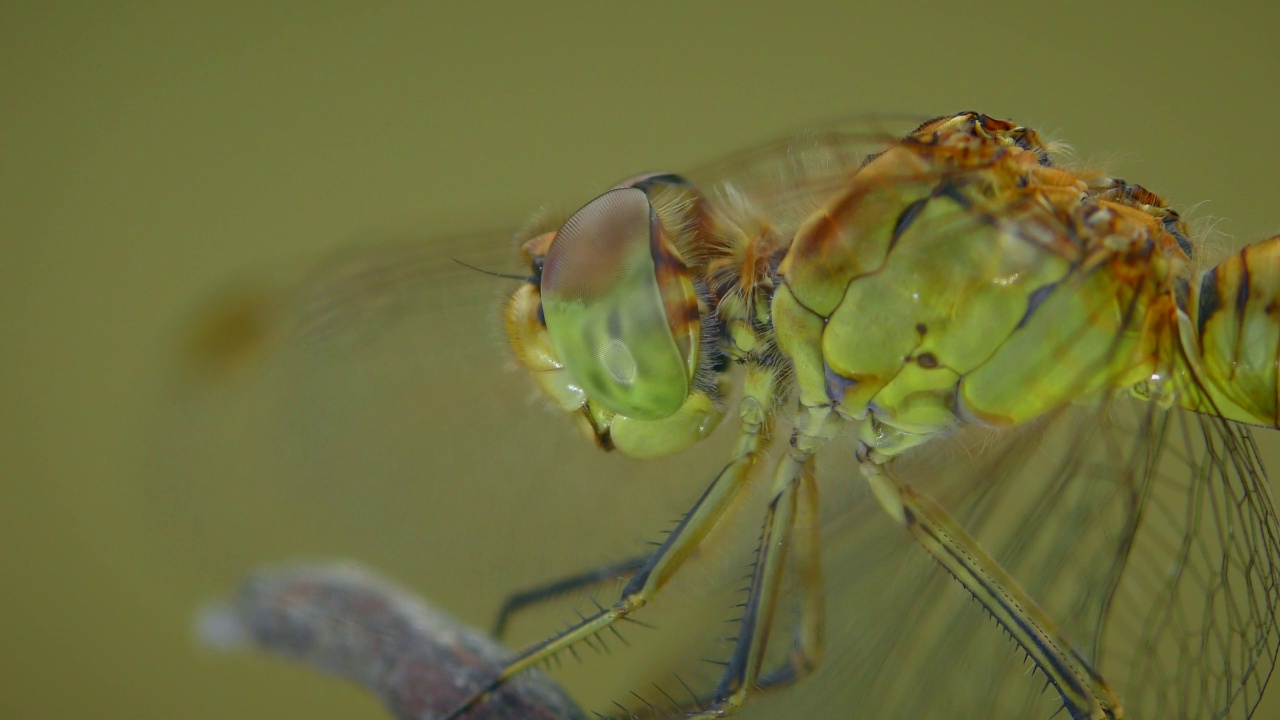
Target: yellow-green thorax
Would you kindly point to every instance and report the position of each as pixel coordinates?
(960, 278)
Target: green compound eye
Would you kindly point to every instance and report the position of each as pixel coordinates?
(620, 308)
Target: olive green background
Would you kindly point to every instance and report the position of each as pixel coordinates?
(152, 152)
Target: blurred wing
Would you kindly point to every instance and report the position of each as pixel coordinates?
(365, 406)
(345, 360)
(786, 179)
(339, 409)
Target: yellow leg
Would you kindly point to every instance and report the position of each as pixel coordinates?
(806, 560)
(790, 531)
(679, 545)
(1085, 694)
(803, 539)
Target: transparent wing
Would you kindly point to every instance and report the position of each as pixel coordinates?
(1192, 605)
(1147, 534)
(308, 402)
(786, 179)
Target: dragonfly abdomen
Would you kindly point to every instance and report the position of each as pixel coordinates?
(1235, 309)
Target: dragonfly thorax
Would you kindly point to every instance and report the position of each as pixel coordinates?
(959, 278)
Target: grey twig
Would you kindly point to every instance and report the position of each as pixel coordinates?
(342, 619)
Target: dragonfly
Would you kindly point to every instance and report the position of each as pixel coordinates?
(1041, 383)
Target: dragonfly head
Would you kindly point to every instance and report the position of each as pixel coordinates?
(614, 324)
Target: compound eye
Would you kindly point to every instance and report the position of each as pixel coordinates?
(620, 307)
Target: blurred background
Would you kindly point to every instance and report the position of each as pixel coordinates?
(168, 173)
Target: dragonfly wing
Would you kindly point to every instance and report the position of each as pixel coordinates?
(1191, 612)
(1147, 534)
(308, 405)
(366, 407)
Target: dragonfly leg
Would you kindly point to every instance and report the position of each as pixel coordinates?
(680, 544)
(793, 507)
(1085, 694)
(517, 602)
(806, 559)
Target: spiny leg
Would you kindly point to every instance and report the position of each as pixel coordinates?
(791, 533)
(1085, 694)
(518, 602)
(791, 530)
(754, 409)
(806, 559)
(793, 506)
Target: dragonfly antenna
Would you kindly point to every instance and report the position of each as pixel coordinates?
(490, 272)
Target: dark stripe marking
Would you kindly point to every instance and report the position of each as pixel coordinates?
(836, 385)
(1242, 293)
(1035, 300)
(1042, 154)
(1181, 292)
(1209, 303)
(905, 219)
(1171, 226)
(951, 191)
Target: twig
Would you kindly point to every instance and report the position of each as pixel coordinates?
(344, 620)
